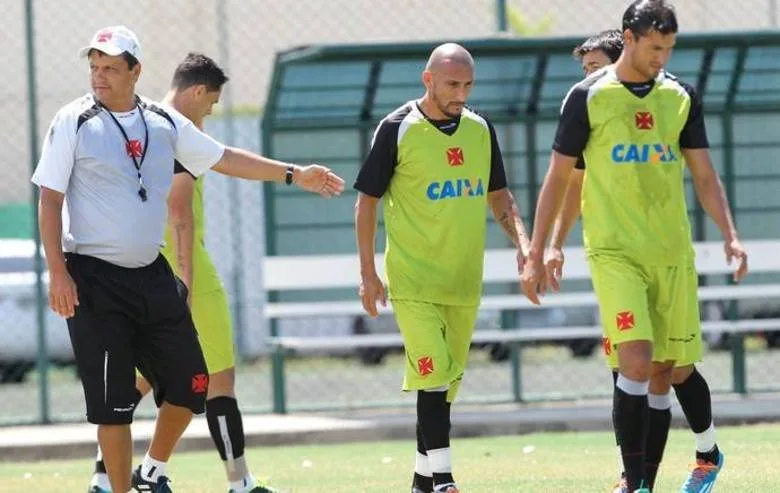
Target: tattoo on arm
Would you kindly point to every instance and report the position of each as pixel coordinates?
(507, 223)
(512, 224)
(179, 228)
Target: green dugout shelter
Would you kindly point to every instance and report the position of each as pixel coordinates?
(325, 101)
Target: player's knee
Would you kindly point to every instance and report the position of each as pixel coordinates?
(222, 384)
(681, 374)
(661, 378)
(635, 360)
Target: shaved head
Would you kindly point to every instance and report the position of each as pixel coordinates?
(448, 78)
(449, 54)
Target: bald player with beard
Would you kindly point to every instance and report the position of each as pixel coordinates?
(438, 166)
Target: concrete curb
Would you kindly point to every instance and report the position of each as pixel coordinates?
(68, 441)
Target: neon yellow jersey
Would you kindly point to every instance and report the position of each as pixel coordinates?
(633, 199)
(434, 178)
(204, 275)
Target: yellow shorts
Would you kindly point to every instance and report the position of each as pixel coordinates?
(657, 304)
(437, 339)
(211, 315)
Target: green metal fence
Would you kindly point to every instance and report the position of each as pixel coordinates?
(325, 101)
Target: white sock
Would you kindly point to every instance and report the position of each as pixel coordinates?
(243, 485)
(705, 441)
(99, 454)
(661, 402)
(151, 469)
(632, 387)
(440, 460)
(421, 465)
(621, 467)
(236, 469)
(100, 479)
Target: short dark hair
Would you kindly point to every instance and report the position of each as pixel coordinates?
(198, 69)
(609, 41)
(643, 16)
(130, 59)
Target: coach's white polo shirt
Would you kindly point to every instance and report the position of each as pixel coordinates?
(86, 157)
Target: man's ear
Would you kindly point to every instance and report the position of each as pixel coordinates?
(427, 79)
(136, 72)
(199, 90)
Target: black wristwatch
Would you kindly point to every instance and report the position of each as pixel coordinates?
(288, 176)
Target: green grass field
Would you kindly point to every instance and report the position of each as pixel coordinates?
(543, 462)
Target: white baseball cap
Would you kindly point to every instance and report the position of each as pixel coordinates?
(113, 41)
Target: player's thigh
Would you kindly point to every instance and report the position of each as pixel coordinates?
(459, 329)
(621, 289)
(691, 337)
(428, 360)
(211, 315)
(671, 304)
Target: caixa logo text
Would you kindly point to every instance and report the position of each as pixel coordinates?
(460, 187)
(643, 153)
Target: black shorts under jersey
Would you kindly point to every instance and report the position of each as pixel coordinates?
(131, 318)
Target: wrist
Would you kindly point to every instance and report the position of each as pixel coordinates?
(524, 247)
(535, 253)
(730, 236)
(56, 263)
(292, 174)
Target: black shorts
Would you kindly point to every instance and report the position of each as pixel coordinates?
(133, 318)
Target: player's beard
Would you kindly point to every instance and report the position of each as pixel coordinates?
(647, 72)
(445, 108)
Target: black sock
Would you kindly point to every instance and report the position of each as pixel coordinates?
(100, 467)
(433, 414)
(617, 439)
(630, 418)
(442, 478)
(226, 408)
(614, 384)
(695, 401)
(657, 433)
(422, 483)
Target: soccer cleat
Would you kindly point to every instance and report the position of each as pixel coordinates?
(620, 485)
(703, 476)
(94, 486)
(141, 485)
(251, 486)
(261, 489)
(446, 488)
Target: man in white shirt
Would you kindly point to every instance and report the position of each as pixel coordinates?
(108, 158)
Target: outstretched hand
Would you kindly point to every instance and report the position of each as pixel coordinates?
(319, 179)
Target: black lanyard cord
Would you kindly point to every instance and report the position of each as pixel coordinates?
(141, 189)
